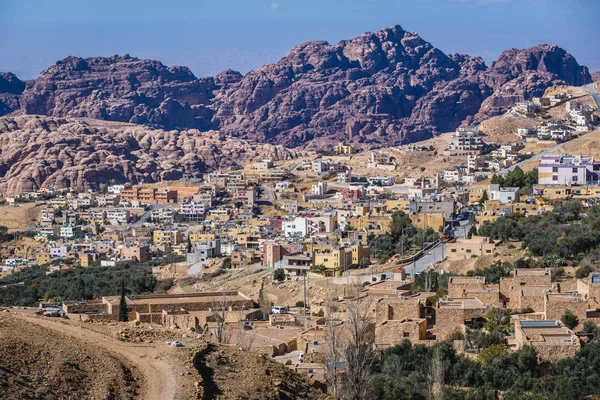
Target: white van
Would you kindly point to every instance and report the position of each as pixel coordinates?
(278, 310)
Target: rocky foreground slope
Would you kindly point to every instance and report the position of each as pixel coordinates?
(40, 151)
(386, 87)
(37, 363)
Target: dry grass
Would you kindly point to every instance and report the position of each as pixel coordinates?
(19, 217)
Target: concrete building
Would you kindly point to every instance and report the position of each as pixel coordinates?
(193, 211)
(551, 340)
(464, 248)
(568, 170)
(466, 138)
(139, 254)
(503, 194)
(202, 252)
(319, 189)
(171, 237)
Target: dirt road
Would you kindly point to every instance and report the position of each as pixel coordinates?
(153, 361)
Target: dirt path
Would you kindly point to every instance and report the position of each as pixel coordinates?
(156, 366)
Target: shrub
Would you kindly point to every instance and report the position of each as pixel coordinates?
(489, 353)
(300, 303)
(569, 319)
(279, 274)
(583, 271)
(321, 313)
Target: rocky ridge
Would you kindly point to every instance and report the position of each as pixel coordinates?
(38, 151)
(381, 88)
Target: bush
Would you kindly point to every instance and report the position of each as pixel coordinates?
(569, 319)
(321, 313)
(300, 303)
(279, 274)
(583, 272)
(490, 353)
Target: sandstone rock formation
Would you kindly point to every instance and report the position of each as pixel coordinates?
(381, 88)
(56, 152)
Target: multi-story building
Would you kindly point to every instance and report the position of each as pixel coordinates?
(466, 138)
(136, 253)
(118, 217)
(319, 189)
(568, 170)
(172, 237)
(503, 194)
(163, 215)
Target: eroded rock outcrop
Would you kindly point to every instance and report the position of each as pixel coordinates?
(44, 151)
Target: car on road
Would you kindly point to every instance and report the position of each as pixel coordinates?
(175, 343)
(278, 310)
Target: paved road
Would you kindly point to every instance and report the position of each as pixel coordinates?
(536, 157)
(436, 253)
(595, 95)
(269, 192)
(591, 89)
(146, 215)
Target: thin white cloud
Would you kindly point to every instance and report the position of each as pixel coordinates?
(275, 6)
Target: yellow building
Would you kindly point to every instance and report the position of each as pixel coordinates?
(334, 261)
(372, 223)
(85, 259)
(172, 238)
(428, 220)
(201, 237)
(248, 241)
(42, 258)
(345, 149)
(401, 204)
(360, 253)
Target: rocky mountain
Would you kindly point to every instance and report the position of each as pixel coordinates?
(38, 151)
(386, 87)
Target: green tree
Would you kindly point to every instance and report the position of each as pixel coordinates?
(472, 231)
(570, 319)
(484, 198)
(279, 274)
(487, 354)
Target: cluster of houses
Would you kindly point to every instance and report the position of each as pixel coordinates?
(537, 305)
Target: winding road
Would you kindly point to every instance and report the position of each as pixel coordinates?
(160, 377)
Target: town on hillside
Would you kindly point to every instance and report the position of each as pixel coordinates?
(489, 246)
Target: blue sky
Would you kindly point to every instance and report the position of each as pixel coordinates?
(209, 36)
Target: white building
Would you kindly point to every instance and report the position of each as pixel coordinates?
(297, 227)
(118, 217)
(381, 180)
(116, 189)
(466, 138)
(504, 195)
(567, 169)
(319, 189)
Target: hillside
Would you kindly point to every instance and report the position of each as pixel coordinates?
(43, 364)
(55, 152)
(381, 88)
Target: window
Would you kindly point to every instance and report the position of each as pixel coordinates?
(406, 334)
(488, 251)
(554, 169)
(574, 170)
(453, 251)
(555, 178)
(574, 178)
